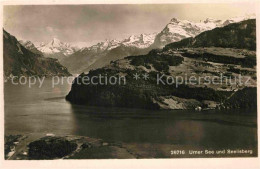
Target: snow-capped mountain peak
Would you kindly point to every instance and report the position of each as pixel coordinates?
(106, 45)
(56, 46)
(177, 29)
(239, 19)
(139, 41)
(55, 43)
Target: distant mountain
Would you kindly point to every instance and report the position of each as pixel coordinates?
(177, 29)
(19, 61)
(139, 41)
(115, 54)
(82, 59)
(87, 56)
(103, 53)
(111, 50)
(56, 49)
(240, 35)
(30, 46)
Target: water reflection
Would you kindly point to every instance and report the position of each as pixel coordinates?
(165, 127)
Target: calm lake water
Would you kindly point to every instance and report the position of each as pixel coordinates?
(44, 110)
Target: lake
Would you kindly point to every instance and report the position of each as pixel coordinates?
(45, 110)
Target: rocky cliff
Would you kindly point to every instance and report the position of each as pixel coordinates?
(19, 61)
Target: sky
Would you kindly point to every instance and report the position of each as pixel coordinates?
(95, 23)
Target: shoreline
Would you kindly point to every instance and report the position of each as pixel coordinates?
(93, 148)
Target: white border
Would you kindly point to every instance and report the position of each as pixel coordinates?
(198, 163)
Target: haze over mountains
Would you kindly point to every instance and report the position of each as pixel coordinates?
(79, 60)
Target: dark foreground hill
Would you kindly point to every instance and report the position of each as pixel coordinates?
(19, 61)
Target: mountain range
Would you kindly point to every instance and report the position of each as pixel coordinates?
(56, 49)
(177, 29)
(228, 51)
(103, 53)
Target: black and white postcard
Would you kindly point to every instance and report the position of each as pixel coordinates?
(148, 81)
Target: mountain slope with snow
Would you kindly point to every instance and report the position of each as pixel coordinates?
(139, 41)
(104, 52)
(30, 46)
(78, 59)
(56, 49)
(177, 29)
